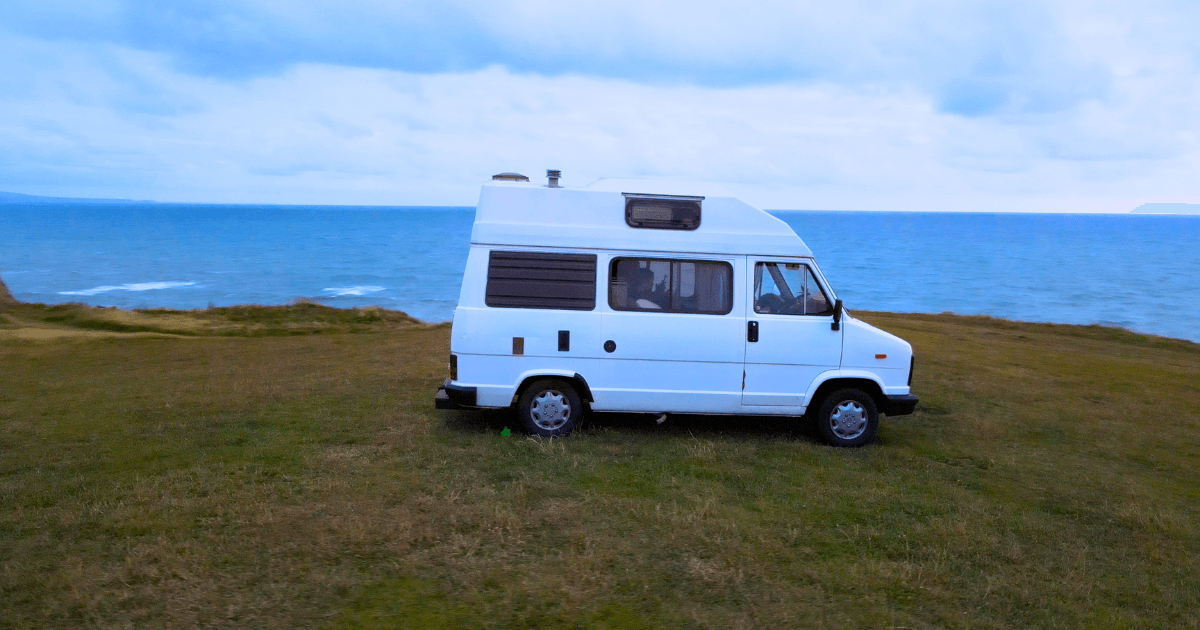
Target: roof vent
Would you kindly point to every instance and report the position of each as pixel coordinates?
(553, 176)
(662, 212)
(510, 177)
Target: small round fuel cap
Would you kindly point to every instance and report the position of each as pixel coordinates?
(610, 346)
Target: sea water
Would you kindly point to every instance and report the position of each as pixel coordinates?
(1133, 271)
(1139, 272)
(193, 256)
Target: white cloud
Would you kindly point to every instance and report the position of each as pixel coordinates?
(973, 58)
(857, 116)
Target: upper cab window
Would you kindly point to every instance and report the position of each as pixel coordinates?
(674, 286)
(788, 289)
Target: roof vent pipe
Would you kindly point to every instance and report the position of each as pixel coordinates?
(553, 176)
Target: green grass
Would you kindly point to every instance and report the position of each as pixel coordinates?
(284, 467)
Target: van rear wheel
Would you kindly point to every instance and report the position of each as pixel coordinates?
(550, 408)
(848, 417)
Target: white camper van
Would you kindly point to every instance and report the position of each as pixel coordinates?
(652, 297)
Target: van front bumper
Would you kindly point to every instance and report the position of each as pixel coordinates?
(901, 405)
(451, 396)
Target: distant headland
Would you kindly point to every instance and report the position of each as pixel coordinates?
(1167, 208)
(10, 198)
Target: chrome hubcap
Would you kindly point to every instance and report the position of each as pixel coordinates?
(848, 420)
(550, 410)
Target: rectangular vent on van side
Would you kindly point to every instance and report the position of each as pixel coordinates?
(541, 280)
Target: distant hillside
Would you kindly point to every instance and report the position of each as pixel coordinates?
(18, 198)
(1167, 208)
(6, 297)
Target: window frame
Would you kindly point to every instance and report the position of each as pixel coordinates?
(811, 274)
(612, 266)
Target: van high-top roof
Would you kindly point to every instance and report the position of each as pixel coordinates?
(526, 214)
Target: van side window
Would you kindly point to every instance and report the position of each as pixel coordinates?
(788, 289)
(541, 280)
(673, 286)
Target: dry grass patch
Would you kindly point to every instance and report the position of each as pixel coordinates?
(41, 321)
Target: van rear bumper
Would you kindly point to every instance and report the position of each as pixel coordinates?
(451, 396)
(901, 405)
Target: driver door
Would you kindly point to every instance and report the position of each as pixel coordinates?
(789, 339)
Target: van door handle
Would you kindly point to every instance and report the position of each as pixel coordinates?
(752, 331)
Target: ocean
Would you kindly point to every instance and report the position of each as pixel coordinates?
(1139, 272)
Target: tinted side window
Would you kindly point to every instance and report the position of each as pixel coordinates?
(541, 280)
(675, 286)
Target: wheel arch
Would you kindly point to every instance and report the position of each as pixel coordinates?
(838, 381)
(574, 378)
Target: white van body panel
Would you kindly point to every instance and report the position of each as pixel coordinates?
(863, 342)
(662, 362)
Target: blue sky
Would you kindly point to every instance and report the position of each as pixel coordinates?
(1019, 106)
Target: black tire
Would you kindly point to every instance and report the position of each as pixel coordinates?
(848, 417)
(550, 407)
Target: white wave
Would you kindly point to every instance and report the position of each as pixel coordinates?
(135, 286)
(360, 291)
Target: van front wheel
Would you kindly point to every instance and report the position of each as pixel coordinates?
(550, 408)
(848, 417)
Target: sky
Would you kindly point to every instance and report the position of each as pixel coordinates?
(1046, 106)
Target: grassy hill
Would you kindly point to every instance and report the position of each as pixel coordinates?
(284, 467)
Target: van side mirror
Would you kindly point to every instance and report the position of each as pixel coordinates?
(837, 316)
